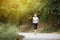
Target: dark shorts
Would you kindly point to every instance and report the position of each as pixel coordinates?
(35, 25)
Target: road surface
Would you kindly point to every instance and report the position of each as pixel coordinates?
(40, 36)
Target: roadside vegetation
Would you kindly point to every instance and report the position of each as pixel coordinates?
(20, 13)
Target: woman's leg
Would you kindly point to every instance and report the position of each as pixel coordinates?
(35, 31)
(35, 28)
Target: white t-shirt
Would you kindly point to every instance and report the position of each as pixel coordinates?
(35, 19)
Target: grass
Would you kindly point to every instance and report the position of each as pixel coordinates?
(8, 32)
(49, 29)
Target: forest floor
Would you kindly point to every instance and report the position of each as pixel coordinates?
(42, 27)
(28, 28)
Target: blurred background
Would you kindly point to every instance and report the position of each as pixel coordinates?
(20, 12)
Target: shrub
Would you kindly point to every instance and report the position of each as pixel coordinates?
(8, 32)
(49, 29)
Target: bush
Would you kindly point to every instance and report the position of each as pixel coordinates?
(49, 29)
(8, 32)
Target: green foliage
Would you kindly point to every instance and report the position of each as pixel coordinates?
(49, 29)
(17, 11)
(58, 30)
(50, 12)
(8, 32)
(21, 11)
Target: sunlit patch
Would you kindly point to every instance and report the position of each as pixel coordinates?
(20, 5)
(19, 10)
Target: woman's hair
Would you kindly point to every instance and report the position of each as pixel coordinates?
(35, 14)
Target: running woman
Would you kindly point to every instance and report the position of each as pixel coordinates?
(35, 22)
